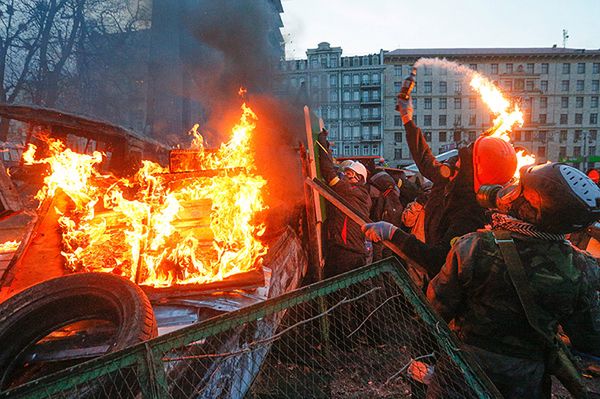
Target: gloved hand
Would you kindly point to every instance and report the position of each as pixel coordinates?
(405, 107)
(379, 231)
(422, 198)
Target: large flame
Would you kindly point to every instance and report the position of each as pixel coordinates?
(141, 228)
(507, 116)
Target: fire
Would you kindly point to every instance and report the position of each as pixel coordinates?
(9, 246)
(506, 117)
(141, 228)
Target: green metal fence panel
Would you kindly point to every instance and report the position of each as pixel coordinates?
(368, 333)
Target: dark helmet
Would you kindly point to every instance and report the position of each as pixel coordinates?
(555, 197)
(383, 181)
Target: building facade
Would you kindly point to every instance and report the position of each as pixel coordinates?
(346, 92)
(557, 89)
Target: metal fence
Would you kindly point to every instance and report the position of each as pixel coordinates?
(365, 334)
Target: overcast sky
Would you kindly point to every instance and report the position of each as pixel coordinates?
(366, 26)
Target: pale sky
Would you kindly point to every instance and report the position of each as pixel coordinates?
(366, 26)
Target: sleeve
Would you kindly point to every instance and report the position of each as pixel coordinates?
(326, 166)
(446, 291)
(431, 256)
(421, 153)
(583, 325)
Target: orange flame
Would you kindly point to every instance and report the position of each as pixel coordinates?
(506, 118)
(9, 246)
(153, 231)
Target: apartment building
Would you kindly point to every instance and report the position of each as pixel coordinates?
(557, 89)
(347, 92)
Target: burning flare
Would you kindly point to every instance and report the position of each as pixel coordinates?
(156, 230)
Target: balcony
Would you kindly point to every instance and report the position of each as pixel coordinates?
(370, 85)
(370, 119)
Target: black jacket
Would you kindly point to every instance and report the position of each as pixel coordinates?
(451, 210)
(339, 229)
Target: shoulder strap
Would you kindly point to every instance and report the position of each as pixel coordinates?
(517, 275)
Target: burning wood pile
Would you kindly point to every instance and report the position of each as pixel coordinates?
(192, 224)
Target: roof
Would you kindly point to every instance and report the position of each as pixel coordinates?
(551, 51)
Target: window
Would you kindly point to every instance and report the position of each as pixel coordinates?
(530, 68)
(508, 85)
(397, 120)
(579, 86)
(457, 136)
(562, 153)
(427, 71)
(564, 85)
(542, 118)
(333, 113)
(527, 136)
(355, 150)
(442, 137)
(509, 68)
(581, 67)
(544, 85)
(457, 120)
(593, 134)
(397, 153)
(376, 113)
(596, 68)
(457, 103)
(592, 150)
(441, 120)
(564, 119)
(519, 84)
(564, 102)
(355, 79)
(472, 136)
(473, 66)
(333, 95)
(375, 95)
(563, 136)
(594, 102)
(577, 151)
(427, 87)
(347, 132)
(346, 95)
(595, 85)
(333, 80)
(375, 149)
(472, 103)
(529, 85)
(356, 95)
(457, 87)
(427, 103)
(365, 79)
(494, 69)
(566, 68)
(472, 120)
(545, 68)
(365, 150)
(375, 78)
(541, 152)
(346, 80)
(443, 102)
(398, 71)
(355, 113)
(578, 119)
(426, 120)
(578, 102)
(443, 87)
(543, 102)
(398, 137)
(428, 136)
(593, 119)
(542, 135)
(356, 132)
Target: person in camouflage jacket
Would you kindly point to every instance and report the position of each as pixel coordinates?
(475, 290)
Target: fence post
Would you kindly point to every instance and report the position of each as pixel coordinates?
(153, 380)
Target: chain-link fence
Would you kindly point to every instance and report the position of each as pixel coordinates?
(365, 334)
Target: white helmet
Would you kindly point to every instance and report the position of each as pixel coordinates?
(358, 168)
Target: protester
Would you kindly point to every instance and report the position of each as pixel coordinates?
(451, 209)
(386, 206)
(479, 291)
(345, 248)
(413, 216)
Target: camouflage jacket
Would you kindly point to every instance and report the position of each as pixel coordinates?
(474, 289)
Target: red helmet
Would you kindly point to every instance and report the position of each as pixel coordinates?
(494, 161)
